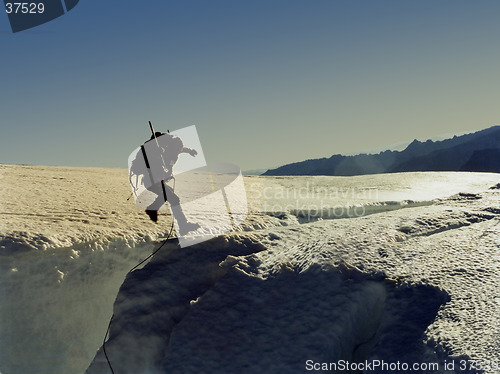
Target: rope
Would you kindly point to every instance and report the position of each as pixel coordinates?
(130, 271)
(104, 343)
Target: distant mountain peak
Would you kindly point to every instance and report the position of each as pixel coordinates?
(468, 152)
(413, 144)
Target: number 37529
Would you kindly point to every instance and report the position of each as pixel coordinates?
(25, 8)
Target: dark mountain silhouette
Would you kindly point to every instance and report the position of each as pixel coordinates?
(478, 151)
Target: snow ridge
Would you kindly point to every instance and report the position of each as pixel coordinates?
(56, 302)
(218, 307)
(254, 303)
(415, 284)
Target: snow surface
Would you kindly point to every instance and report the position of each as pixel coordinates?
(416, 285)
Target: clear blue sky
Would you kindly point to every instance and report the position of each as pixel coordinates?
(266, 82)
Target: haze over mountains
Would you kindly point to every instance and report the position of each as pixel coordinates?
(479, 151)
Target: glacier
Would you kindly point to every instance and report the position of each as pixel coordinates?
(414, 278)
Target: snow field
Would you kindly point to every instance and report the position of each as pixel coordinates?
(419, 284)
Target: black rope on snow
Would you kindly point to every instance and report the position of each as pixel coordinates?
(130, 271)
(104, 343)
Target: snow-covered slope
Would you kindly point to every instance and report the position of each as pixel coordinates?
(415, 285)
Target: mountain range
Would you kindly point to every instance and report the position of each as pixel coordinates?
(479, 151)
